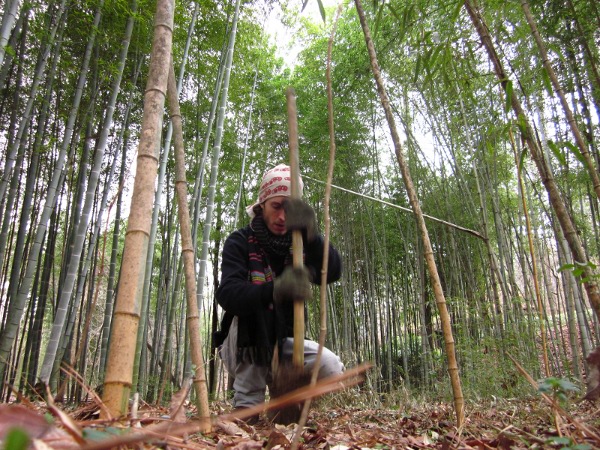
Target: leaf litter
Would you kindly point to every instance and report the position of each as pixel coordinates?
(498, 424)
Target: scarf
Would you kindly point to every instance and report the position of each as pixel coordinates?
(275, 245)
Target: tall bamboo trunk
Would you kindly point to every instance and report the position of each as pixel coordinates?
(8, 20)
(17, 306)
(590, 57)
(119, 368)
(187, 253)
(6, 208)
(21, 247)
(26, 115)
(200, 172)
(534, 265)
(82, 276)
(112, 273)
(414, 202)
(216, 153)
(589, 163)
(139, 370)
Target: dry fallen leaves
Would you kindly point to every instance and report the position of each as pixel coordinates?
(493, 423)
(422, 427)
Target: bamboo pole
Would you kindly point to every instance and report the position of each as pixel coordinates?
(414, 202)
(119, 367)
(298, 352)
(323, 285)
(187, 251)
(590, 274)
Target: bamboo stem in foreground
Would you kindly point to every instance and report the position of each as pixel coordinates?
(298, 352)
(187, 250)
(119, 366)
(416, 207)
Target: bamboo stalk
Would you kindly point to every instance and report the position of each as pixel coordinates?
(323, 285)
(119, 364)
(436, 284)
(187, 254)
(298, 352)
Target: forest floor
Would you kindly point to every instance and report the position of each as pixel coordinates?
(331, 425)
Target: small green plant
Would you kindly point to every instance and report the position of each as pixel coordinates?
(566, 443)
(557, 388)
(578, 270)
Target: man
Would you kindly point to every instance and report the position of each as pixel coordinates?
(258, 285)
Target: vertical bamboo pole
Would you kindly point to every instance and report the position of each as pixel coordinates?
(187, 252)
(119, 368)
(416, 207)
(298, 352)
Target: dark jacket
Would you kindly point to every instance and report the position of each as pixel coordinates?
(253, 303)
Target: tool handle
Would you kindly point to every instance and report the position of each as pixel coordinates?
(298, 350)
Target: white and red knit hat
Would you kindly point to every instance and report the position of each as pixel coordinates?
(275, 181)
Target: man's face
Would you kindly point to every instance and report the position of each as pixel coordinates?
(274, 215)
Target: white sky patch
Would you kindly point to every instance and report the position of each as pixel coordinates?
(283, 37)
(288, 48)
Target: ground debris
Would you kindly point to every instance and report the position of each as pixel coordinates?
(507, 424)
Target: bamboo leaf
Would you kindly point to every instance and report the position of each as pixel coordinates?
(321, 10)
(522, 160)
(378, 19)
(566, 267)
(575, 150)
(408, 15)
(426, 62)
(509, 94)
(522, 124)
(402, 20)
(546, 80)
(395, 14)
(417, 68)
(456, 12)
(427, 67)
(557, 153)
(578, 269)
(434, 55)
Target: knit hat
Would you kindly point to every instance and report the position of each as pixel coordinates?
(275, 182)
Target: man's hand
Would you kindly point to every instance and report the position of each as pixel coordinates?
(292, 284)
(299, 215)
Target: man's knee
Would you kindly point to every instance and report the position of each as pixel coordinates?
(331, 364)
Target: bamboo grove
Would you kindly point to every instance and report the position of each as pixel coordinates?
(498, 107)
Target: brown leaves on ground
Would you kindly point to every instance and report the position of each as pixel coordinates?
(515, 424)
(39, 430)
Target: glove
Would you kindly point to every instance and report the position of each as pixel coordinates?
(292, 284)
(299, 215)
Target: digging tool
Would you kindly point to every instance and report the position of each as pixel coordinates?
(287, 377)
(298, 354)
